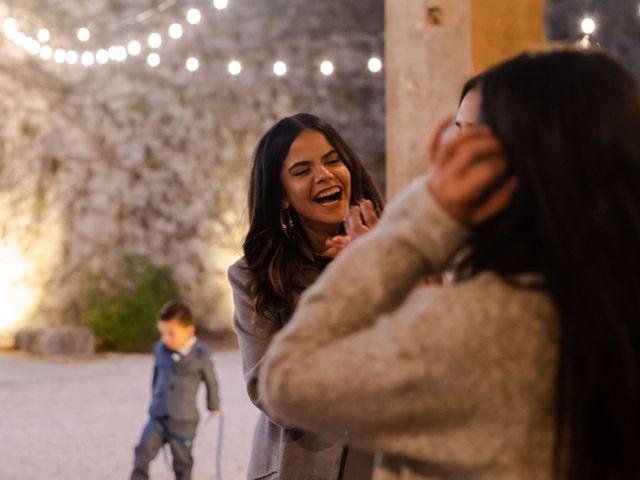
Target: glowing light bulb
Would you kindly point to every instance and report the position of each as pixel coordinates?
(154, 40)
(102, 56)
(19, 39)
(234, 67)
(46, 52)
(153, 60)
(194, 16)
(374, 64)
(279, 68)
(59, 55)
(117, 53)
(10, 27)
(9, 22)
(175, 31)
(31, 45)
(84, 34)
(71, 57)
(134, 48)
(113, 52)
(326, 67)
(192, 64)
(43, 35)
(87, 59)
(588, 25)
(220, 4)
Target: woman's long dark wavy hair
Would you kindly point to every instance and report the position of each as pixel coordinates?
(569, 122)
(273, 260)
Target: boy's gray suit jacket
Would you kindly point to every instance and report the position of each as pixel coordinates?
(175, 384)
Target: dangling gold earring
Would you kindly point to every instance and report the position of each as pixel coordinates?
(286, 223)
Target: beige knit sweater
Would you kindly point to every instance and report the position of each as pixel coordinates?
(453, 382)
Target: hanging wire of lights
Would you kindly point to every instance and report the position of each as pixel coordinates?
(42, 46)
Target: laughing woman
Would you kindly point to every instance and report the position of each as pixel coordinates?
(305, 181)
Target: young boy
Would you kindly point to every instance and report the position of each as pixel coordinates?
(181, 363)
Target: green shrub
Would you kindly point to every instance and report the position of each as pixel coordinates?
(124, 318)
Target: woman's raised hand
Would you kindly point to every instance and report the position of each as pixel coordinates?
(361, 219)
(334, 245)
(468, 175)
(354, 224)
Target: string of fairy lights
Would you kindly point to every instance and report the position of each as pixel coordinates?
(41, 44)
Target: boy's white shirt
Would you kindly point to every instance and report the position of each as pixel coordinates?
(185, 350)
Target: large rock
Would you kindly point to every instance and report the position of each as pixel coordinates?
(66, 340)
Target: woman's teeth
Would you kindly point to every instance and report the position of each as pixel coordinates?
(329, 196)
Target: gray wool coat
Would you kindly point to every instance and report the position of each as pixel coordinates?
(453, 382)
(279, 451)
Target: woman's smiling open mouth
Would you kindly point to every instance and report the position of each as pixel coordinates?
(330, 195)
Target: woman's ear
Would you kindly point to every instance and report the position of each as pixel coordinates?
(285, 204)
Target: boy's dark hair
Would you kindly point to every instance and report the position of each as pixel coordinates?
(177, 310)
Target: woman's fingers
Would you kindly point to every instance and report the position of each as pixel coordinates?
(353, 225)
(473, 153)
(332, 252)
(436, 139)
(496, 202)
(451, 151)
(369, 213)
(335, 245)
(481, 176)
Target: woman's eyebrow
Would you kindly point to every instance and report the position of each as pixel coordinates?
(301, 162)
(329, 153)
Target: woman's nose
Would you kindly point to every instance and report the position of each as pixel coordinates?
(323, 174)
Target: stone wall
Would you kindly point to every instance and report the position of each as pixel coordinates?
(104, 161)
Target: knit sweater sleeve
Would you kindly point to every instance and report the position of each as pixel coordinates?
(346, 362)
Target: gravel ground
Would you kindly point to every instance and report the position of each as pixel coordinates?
(80, 419)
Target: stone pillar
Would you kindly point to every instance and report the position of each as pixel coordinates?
(431, 48)
(427, 58)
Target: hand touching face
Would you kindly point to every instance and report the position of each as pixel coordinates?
(469, 174)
